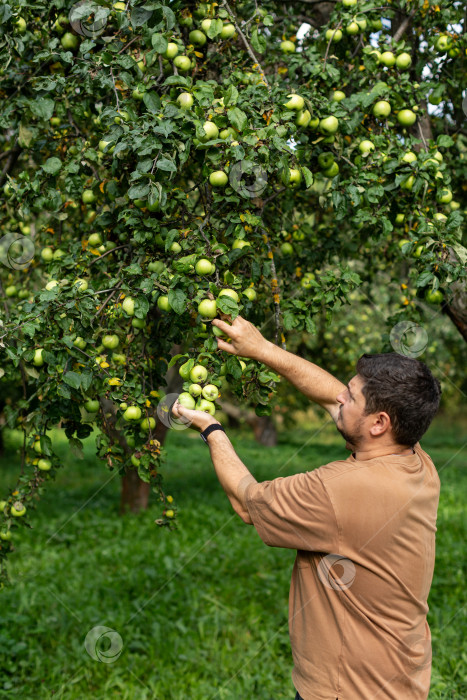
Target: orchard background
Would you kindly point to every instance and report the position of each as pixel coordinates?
(301, 163)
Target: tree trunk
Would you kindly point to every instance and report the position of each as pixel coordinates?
(134, 493)
(265, 431)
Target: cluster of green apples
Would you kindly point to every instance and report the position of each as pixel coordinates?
(201, 394)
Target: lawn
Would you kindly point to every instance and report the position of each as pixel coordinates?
(201, 612)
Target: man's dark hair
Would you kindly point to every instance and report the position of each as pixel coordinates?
(402, 387)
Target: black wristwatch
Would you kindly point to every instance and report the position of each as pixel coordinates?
(215, 426)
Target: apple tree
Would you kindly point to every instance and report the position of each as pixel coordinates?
(166, 162)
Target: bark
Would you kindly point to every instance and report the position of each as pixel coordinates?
(263, 427)
(134, 494)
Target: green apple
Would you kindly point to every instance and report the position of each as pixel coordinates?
(453, 205)
(228, 31)
(250, 293)
(366, 146)
(295, 102)
(138, 323)
(210, 392)
(80, 343)
(388, 58)
(408, 183)
(229, 293)
(128, 305)
(44, 465)
(207, 308)
(332, 171)
(20, 25)
(88, 197)
(418, 251)
(137, 94)
(195, 389)
(184, 371)
(362, 23)
(82, 284)
(225, 133)
(240, 243)
(69, 41)
(211, 130)
(38, 360)
(303, 118)
(218, 178)
(148, 423)
(349, 3)
(206, 406)
(185, 100)
(434, 297)
(110, 341)
(406, 117)
(135, 461)
(352, 29)
(186, 400)
(338, 96)
(91, 405)
(132, 413)
(11, 290)
(197, 37)
(403, 60)
(329, 125)
(94, 240)
(17, 510)
(287, 249)
(325, 160)
(175, 247)
(440, 217)
(183, 63)
(443, 43)
(444, 196)
(295, 176)
(438, 156)
(198, 374)
(37, 447)
(287, 47)
(51, 285)
(409, 157)
(171, 50)
(5, 535)
(382, 109)
(333, 35)
(103, 146)
(163, 303)
(204, 267)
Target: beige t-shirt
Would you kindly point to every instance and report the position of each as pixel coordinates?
(365, 535)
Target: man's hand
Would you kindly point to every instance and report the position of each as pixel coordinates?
(195, 419)
(245, 338)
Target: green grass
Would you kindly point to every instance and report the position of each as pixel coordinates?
(202, 612)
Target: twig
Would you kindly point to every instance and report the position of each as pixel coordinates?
(101, 308)
(107, 252)
(421, 135)
(403, 27)
(115, 89)
(247, 45)
(129, 44)
(275, 292)
(329, 44)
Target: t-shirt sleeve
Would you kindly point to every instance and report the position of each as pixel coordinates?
(294, 512)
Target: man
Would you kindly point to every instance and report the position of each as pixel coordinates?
(364, 527)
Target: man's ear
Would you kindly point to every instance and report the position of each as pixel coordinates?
(381, 424)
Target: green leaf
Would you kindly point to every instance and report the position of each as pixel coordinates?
(263, 410)
(73, 379)
(228, 306)
(230, 95)
(138, 191)
(308, 175)
(215, 28)
(139, 16)
(233, 367)
(43, 107)
(177, 301)
(444, 141)
(258, 42)
(167, 165)
(159, 42)
(52, 165)
(237, 118)
(152, 101)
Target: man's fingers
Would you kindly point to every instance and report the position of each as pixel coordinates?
(225, 327)
(222, 345)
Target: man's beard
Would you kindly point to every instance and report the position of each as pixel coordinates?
(354, 438)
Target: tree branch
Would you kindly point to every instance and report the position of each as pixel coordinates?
(247, 45)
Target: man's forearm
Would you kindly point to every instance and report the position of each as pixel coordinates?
(233, 475)
(312, 381)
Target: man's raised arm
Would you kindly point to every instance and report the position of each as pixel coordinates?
(312, 381)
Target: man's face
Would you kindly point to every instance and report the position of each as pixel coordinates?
(350, 422)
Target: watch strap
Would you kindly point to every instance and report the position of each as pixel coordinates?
(215, 426)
